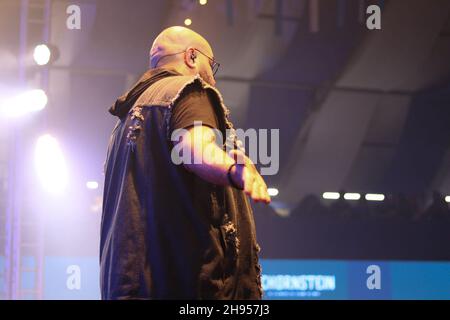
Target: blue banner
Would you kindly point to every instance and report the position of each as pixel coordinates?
(78, 278)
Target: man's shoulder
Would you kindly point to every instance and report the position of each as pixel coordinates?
(167, 91)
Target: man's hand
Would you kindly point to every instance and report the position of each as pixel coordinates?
(247, 177)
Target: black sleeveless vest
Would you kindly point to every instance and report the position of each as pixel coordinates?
(166, 233)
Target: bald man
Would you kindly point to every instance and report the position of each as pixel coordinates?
(178, 229)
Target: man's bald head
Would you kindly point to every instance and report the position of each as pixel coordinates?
(171, 43)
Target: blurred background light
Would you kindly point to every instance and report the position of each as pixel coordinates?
(272, 192)
(50, 164)
(374, 197)
(331, 195)
(352, 196)
(24, 103)
(92, 185)
(187, 22)
(42, 54)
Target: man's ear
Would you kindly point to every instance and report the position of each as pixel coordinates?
(190, 57)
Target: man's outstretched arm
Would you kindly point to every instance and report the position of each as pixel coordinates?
(212, 163)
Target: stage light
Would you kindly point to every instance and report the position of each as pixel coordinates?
(92, 185)
(352, 196)
(23, 103)
(331, 195)
(188, 22)
(272, 192)
(42, 54)
(50, 164)
(447, 199)
(374, 197)
(203, 2)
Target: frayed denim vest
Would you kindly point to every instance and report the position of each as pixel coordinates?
(156, 241)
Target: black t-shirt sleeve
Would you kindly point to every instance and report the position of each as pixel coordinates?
(194, 105)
